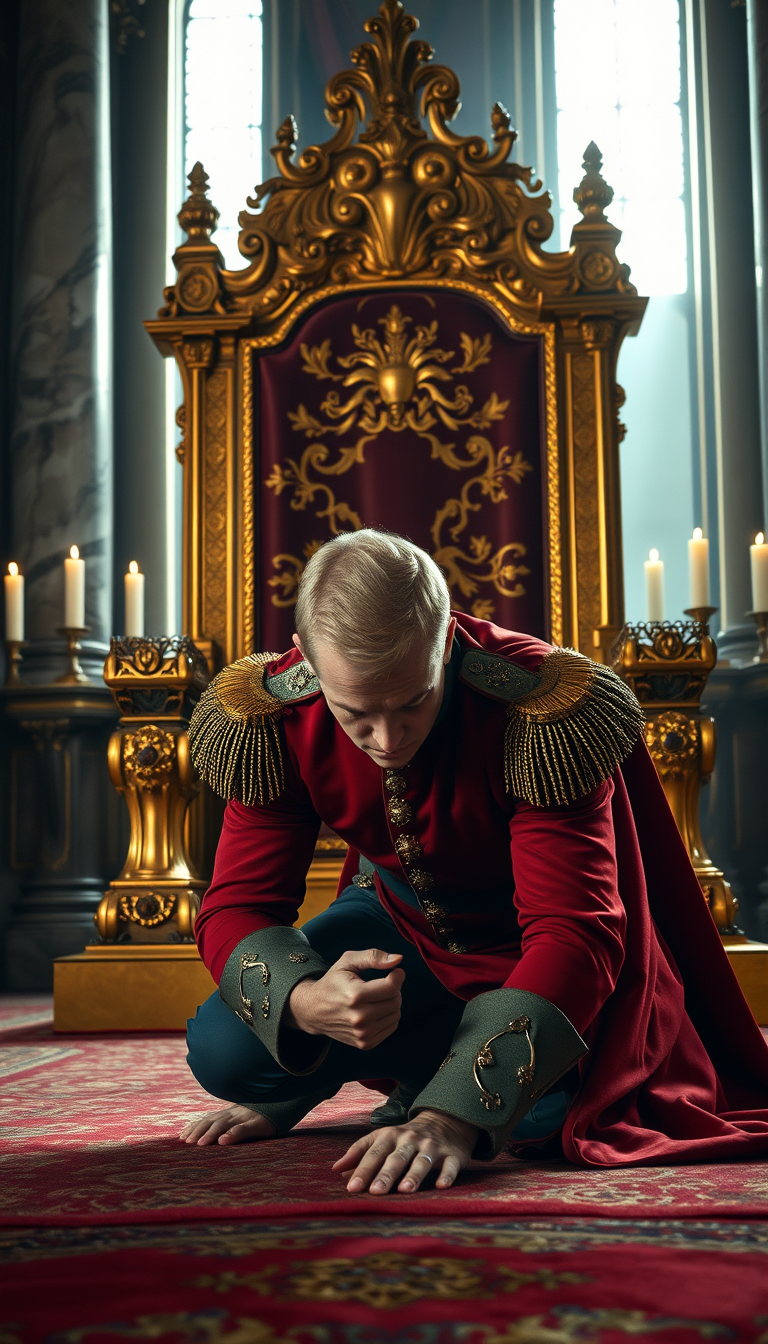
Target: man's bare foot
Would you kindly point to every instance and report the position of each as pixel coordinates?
(235, 1124)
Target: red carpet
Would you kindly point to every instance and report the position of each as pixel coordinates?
(389, 1281)
(112, 1230)
(89, 1135)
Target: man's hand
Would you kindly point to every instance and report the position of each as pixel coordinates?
(235, 1124)
(361, 1013)
(402, 1156)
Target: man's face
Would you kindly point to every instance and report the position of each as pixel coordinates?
(387, 719)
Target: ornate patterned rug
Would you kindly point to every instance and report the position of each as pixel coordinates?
(90, 1128)
(388, 1281)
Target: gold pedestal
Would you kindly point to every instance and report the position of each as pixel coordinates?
(667, 665)
(156, 684)
(144, 971)
(129, 987)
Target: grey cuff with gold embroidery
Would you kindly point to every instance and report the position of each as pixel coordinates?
(510, 1047)
(258, 981)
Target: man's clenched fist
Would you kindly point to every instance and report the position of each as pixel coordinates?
(357, 1012)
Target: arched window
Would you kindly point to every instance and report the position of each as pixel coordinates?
(618, 83)
(223, 106)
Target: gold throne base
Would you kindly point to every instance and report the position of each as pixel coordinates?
(749, 962)
(129, 987)
(152, 986)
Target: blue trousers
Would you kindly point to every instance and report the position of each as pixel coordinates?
(230, 1062)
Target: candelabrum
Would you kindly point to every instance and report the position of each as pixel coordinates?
(74, 674)
(156, 684)
(761, 621)
(667, 664)
(13, 649)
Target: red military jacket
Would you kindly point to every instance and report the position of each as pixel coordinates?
(593, 905)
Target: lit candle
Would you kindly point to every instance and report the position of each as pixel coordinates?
(698, 562)
(74, 591)
(654, 586)
(758, 555)
(14, 604)
(134, 600)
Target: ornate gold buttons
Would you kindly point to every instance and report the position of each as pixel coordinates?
(408, 848)
(420, 879)
(400, 812)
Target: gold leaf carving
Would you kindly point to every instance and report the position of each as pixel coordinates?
(476, 352)
(586, 494)
(316, 360)
(398, 201)
(215, 495)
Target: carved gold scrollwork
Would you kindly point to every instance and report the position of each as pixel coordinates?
(147, 908)
(673, 740)
(197, 290)
(399, 202)
(398, 380)
(149, 755)
(198, 354)
(597, 332)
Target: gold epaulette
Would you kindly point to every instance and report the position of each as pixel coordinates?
(234, 739)
(569, 724)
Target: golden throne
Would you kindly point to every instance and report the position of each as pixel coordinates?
(400, 349)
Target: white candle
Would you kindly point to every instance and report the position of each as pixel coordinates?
(74, 591)
(758, 555)
(698, 563)
(14, 604)
(134, 601)
(654, 586)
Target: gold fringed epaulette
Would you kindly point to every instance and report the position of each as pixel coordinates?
(234, 742)
(566, 736)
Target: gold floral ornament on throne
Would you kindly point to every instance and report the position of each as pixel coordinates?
(394, 383)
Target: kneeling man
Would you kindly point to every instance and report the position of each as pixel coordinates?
(520, 952)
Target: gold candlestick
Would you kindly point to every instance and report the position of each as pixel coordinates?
(13, 660)
(667, 664)
(74, 675)
(703, 615)
(761, 621)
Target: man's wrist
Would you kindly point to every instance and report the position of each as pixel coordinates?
(465, 1127)
(298, 1014)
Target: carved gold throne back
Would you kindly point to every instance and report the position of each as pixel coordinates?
(400, 350)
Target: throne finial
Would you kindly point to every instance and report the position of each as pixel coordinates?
(198, 215)
(593, 193)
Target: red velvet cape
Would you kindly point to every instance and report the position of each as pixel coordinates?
(606, 918)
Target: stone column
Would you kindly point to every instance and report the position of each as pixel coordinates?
(61, 358)
(757, 35)
(59, 474)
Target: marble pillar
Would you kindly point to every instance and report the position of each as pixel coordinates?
(757, 35)
(60, 459)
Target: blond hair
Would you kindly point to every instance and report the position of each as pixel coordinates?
(371, 595)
